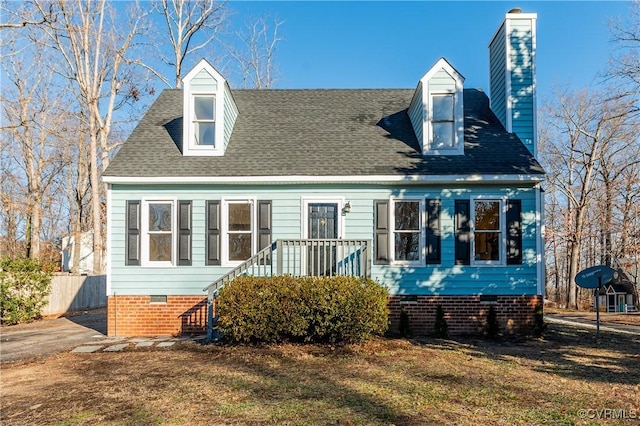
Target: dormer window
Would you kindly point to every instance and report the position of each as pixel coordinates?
(209, 112)
(442, 122)
(436, 111)
(204, 119)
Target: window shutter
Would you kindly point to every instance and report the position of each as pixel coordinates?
(264, 226)
(213, 233)
(433, 232)
(514, 232)
(184, 233)
(132, 242)
(463, 232)
(381, 231)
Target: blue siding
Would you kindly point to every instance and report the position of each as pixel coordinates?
(516, 51)
(204, 82)
(230, 115)
(522, 80)
(443, 279)
(497, 79)
(442, 82)
(417, 114)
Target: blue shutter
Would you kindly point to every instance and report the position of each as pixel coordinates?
(433, 232)
(514, 232)
(462, 232)
(184, 233)
(381, 232)
(132, 242)
(213, 233)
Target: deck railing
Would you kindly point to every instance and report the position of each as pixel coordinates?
(302, 257)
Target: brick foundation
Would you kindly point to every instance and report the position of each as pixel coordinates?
(464, 314)
(138, 316)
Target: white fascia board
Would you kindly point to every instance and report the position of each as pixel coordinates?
(371, 179)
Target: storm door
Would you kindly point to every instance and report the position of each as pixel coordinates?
(322, 225)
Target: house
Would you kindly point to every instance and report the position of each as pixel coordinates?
(434, 191)
(619, 295)
(86, 253)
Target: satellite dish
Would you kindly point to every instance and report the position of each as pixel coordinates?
(594, 277)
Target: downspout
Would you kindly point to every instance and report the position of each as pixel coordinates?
(210, 316)
(115, 314)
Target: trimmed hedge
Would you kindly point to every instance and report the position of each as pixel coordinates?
(24, 287)
(302, 309)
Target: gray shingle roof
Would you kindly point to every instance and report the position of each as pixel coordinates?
(320, 133)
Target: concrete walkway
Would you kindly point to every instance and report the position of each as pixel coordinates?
(79, 334)
(579, 321)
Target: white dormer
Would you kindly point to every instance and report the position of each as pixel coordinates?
(436, 111)
(209, 112)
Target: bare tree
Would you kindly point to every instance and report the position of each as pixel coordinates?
(625, 59)
(588, 138)
(20, 17)
(31, 114)
(255, 54)
(95, 51)
(190, 26)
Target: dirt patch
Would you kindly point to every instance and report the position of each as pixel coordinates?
(386, 381)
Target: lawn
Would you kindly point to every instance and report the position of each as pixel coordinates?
(385, 381)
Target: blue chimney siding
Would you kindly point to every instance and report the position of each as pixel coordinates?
(512, 76)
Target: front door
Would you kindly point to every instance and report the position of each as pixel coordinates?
(322, 225)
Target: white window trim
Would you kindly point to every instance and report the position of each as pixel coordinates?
(392, 232)
(144, 232)
(458, 108)
(189, 147)
(340, 201)
(192, 119)
(224, 229)
(458, 124)
(503, 232)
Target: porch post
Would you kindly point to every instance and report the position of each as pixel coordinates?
(280, 256)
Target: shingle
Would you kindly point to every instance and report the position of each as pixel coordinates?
(320, 133)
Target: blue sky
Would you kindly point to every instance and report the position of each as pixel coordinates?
(392, 44)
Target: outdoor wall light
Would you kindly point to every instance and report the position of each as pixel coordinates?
(346, 209)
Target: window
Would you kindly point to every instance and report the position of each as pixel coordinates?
(235, 231)
(488, 233)
(442, 122)
(204, 124)
(158, 233)
(407, 231)
(239, 233)
(158, 228)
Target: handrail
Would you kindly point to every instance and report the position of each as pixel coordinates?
(244, 266)
(297, 257)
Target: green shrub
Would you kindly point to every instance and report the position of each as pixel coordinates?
(405, 324)
(24, 287)
(492, 327)
(303, 309)
(440, 326)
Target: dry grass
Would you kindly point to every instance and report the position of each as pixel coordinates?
(467, 382)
